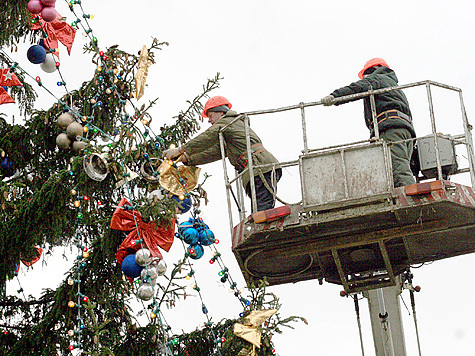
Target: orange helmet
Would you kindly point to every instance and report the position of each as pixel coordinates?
(372, 63)
(214, 102)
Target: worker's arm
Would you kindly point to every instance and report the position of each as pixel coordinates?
(200, 143)
(211, 154)
(360, 86)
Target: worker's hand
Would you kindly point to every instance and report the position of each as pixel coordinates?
(328, 100)
(172, 153)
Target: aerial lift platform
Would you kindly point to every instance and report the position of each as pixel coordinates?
(352, 227)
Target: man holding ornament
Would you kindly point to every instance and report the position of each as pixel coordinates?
(205, 148)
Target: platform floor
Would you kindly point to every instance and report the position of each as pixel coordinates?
(359, 247)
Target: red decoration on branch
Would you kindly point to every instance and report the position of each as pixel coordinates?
(151, 234)
(4, 97)
(35, 259)
(7, 79)
(56, 30)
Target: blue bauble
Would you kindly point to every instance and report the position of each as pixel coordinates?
(190, 236)
(5, 88)
(36, 54)
(185, 225)
(131, 268)
(183, 205)
(6, 167)
(198, 251)
(206, 237)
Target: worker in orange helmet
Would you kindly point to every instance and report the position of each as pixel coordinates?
(393, 114)
(205, 148)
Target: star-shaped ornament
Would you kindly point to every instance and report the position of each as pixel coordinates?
(8, 75)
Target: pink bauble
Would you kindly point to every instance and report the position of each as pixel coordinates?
(49, 14)
(48, 2)
(35, 6)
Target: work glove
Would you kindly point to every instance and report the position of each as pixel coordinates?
(328, 100)
(172, 153)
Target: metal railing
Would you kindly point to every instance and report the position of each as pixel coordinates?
(465, 138)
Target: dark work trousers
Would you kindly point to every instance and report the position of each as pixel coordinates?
(400, 155)
(265, 198)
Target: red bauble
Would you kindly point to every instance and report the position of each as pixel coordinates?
(35, 6)
(49, 14)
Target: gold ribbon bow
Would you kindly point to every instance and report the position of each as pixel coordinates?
(248, 330)
(142, 72)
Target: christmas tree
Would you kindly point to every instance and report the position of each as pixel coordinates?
(88, 173)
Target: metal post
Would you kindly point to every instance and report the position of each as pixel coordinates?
(226, 180)
(343, 167)
(249, 165)
(434, 132)
(386, 320)
(468, 140)
(304, 129)
(387, 339)
(358, 320)
(373, 113)
(240, 199)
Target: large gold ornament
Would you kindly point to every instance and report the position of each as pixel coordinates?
(170, 178)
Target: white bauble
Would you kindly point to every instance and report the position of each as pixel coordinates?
(63, 141)
(74, 130)
(79, 145)
(49, 65)
(64, 120)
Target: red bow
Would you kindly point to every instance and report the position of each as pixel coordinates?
(56, 30)
(152, 235)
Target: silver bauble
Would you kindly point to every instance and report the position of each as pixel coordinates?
(161, 267)
(149, 170)
(142, 257)
(64, 120)
(49, 65)
(149, 271)
(79, 145)
(74, 130)
(63, 141)
(145, 291)
(96, 166)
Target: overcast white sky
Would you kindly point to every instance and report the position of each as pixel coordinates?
(278, 53)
